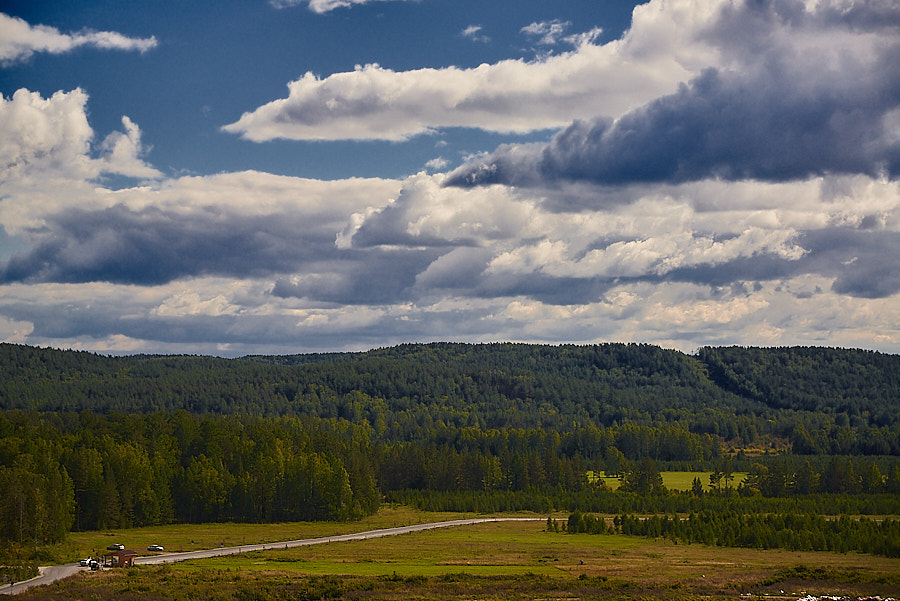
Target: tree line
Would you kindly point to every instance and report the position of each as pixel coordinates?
(62, 471)
(86, 471)
(793, 531)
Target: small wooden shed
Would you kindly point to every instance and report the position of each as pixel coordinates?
(120, 559)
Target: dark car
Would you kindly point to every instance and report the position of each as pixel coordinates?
(155, 548)
(116, 547)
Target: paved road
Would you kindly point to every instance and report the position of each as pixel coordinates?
(48, 574)
(51, 574)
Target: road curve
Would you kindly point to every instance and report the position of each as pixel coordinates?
(50, 574)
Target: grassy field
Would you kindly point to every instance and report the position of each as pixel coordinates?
(509, 560)
(190, 537)
(186, 538)
(675, 480)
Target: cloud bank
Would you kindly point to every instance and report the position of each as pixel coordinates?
(741, 189)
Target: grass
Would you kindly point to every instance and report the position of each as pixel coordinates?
(489, 551)
(509, 560)
(190, 537)
(205, 536)
(676, 480)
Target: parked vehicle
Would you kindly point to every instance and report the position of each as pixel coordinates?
(116, 547)
(85, 562)
(155, 548)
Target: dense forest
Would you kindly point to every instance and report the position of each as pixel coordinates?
(819, 400)
(90, 441)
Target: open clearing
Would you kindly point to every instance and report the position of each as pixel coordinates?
(506, 560)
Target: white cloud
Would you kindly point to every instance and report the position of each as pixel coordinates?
(547, 33)
(474, 33)
(19, 40)
(373, 102)
(48, 161)
(426, 213)
(436, 164)
(322, 6)
(122, 152)
(648, 255)
(38, 134)
(460, 295)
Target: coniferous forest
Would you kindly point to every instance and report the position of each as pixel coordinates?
(97, 442)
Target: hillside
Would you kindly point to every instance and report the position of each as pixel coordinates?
(827, 400)
(93, 442)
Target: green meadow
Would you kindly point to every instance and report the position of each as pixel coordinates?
(505, 560)
(180, 538)
(672, 480)
(191, 537)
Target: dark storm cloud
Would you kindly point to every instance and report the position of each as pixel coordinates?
(154, 246)
(865, 264)
(784, 114)
(719, 126)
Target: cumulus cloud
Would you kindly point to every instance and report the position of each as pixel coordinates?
(240, 318)
(51, 137)
(646, 257)
(662, 49)
(322, 6)
(45, 135)
(757, 202)
(427, 214)
(436, 164)
(194, 227)
(799, 95)
(317, 262)
(19, 40)
(122, 150)
(48, 159)
(371, 261)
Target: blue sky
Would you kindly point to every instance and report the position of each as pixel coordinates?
(307, 175)
(214, 61)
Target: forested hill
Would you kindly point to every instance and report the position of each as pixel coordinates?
(809, 394)
(97, 442)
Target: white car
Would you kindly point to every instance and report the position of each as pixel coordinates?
(85, 562)
(155, 548)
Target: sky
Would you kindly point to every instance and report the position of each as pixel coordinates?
(288, 176)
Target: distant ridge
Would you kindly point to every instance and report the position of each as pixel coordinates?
(488, 385)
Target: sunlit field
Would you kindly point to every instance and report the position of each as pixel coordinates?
(191, 537)
(506, 560)
(674, 480)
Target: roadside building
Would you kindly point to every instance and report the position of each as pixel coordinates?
(120, 558)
